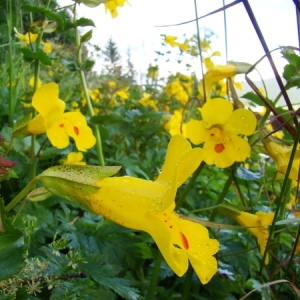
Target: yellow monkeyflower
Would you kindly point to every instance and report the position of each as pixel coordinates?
(147, 100)
(31, 82)
(149, 206)
(175, 125)
(218, 72)
(219, 130)
(55, 123)
(27, 38)
(171, 40)
(74, 158)
(112, 5)
(255, 225)
(281, 155)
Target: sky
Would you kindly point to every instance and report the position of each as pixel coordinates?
(138, 28)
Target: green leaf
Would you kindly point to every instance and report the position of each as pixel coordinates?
(12, 251)
(88, 65)
(87, 36)
(40, 55)
(246, 174)
(46, 12)
(120, 286)
(254, 98)
(85, 22)
(71, 65)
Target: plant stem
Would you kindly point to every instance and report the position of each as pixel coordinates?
(95, 128)
(154, 278)
(186, 290)
(22, 194)
(223, 194)
(283, 195)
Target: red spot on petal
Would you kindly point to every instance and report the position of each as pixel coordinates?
(171, 226)
(212, 134)
(184, 241)
(219, 148)
(76, 130)
(61, 125)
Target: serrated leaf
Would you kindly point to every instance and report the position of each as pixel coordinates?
(86, 37)
(120, 286)
(12, 251)
(246, 174)
(84, 22)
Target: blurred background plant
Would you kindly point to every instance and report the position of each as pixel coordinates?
(52, 249)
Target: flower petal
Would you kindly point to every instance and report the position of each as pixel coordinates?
(196, 132)
(45, 100)
(200, 249)
(216, 112)
(76, 127)
(129, 201)
(37, 125)
(241, 121)
(57, 135)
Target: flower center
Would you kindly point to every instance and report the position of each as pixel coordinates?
(219, 148)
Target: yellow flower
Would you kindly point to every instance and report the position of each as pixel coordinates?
(121, 94)
(74, 158)
(149, 206)
(175, 124)
(55, 123)
(255, 223)
(148, 101)
(171, 40)
(214, 75)
(219, 130)
(47, 47)
(27, 38)
(281, 155)
(112, 5)
(31, 82)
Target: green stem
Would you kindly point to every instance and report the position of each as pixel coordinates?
(189, 186)
(154, 277)
(22, 194)
(223, 194)
(186, 290)
(95, 128)
(283, 195)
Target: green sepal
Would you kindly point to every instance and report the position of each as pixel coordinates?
(76, 183)
(20, 129)
(241, 67)
(91, 3)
